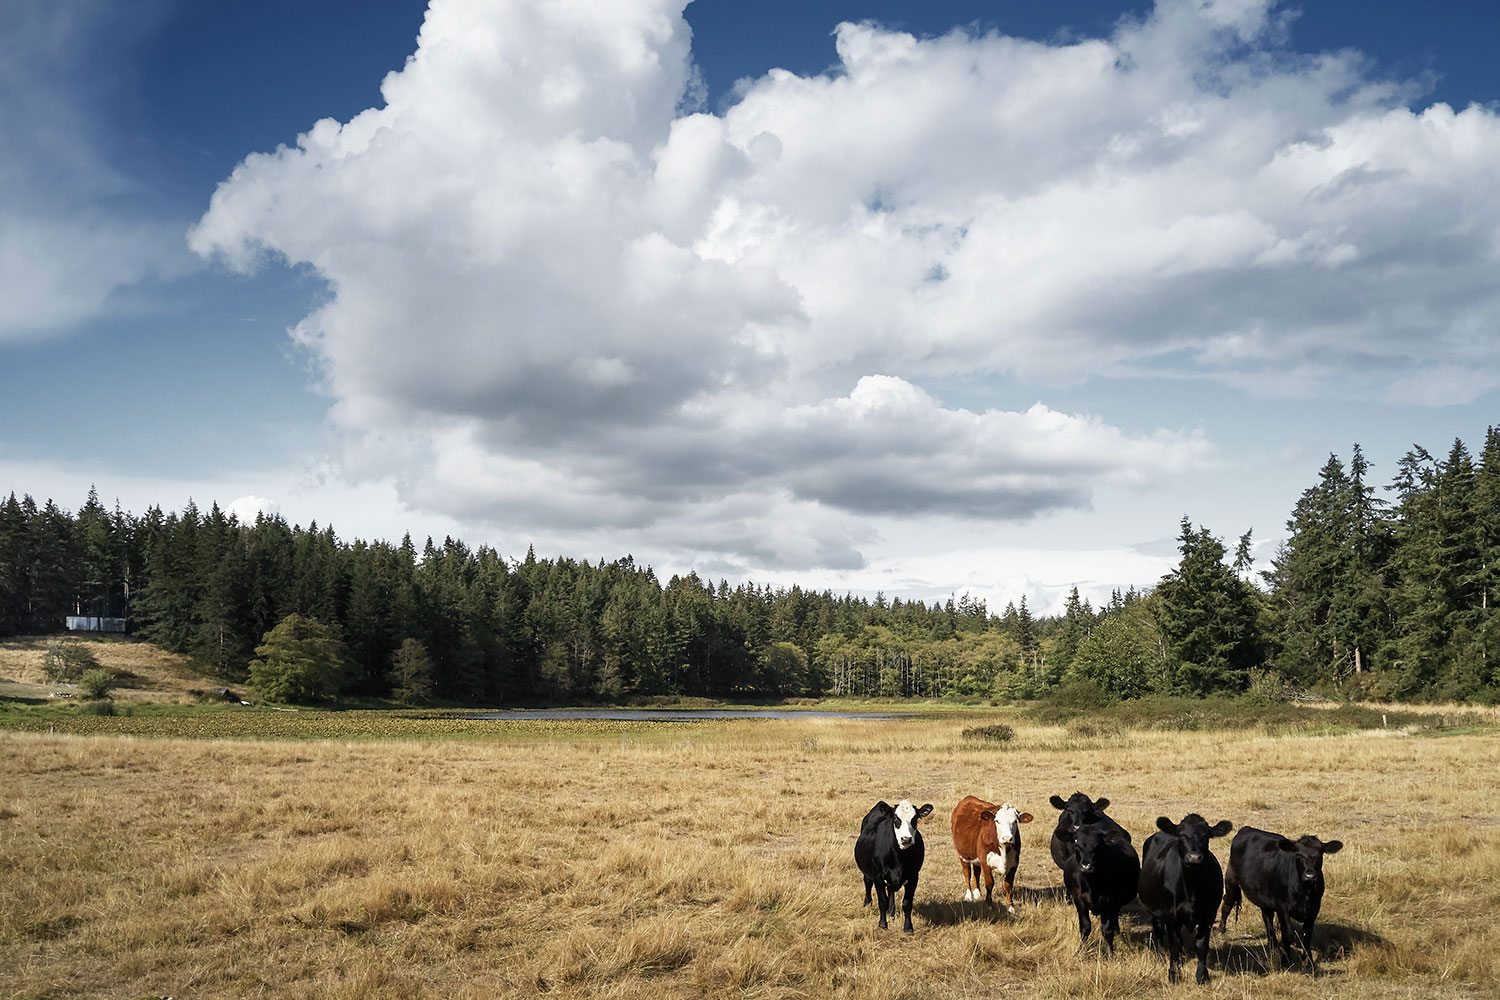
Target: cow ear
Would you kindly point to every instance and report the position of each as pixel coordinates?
(884, 807)
(1165, 825)
(1101, 804)
(1333, 846)
(925, 811)
(1220, 828)
(1024, 818)
(1057, 802)
(1286, 845)
(987, 816)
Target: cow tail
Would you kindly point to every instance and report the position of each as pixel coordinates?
(1232, 898)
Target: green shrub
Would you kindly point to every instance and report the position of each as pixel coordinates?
(1267, 687)
(1094, 727)
(67, 660)
(105, 706)
(1073, 699)
(96, 685)
(990, 734)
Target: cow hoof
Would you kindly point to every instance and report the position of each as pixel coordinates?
(1202, 979)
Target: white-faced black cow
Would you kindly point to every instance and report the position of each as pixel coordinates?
(889, 853)
(1181, 885)
(1099, 865)
(1284, 878)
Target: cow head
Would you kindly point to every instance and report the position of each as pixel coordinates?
(1077, 812)
(1309, 851)
(904, 818)
(1007, 820)
(1090, 842)
(1194, 832)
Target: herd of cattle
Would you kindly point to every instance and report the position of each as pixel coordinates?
(1179, 880)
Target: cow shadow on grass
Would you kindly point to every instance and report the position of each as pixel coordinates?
(1332, 942)
(950, 912)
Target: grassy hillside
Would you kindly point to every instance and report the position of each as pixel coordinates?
(143, 672)
(709, 859)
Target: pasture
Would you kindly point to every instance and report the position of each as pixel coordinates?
(700, 859)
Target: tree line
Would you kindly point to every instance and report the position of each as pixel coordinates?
(1369, 596)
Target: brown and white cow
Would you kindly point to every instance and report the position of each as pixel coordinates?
(988, 837)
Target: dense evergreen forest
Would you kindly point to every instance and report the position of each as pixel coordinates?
(1385, 598)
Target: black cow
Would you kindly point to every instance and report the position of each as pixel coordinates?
(1181, 885)
(1099, 865)
(1077, 811)
(889, 853)
(1284, 878)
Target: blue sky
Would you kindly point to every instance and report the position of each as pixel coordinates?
(968, 296)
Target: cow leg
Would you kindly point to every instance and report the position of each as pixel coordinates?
(911, 890)
(1307, 952)
(1231, 901)
(1289, 957)
(968, 879)
(1269, 917)
(1109, 923)
(1154, 941)
(1085, 925)
(882, 895)
(989, 884)
(1200, 943)
(868, 883)
(1174, 948)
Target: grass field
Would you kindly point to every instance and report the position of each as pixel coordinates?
(702, 859)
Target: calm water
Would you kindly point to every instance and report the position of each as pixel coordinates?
(678, 714)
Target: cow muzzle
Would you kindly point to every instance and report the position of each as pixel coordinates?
(904, 842)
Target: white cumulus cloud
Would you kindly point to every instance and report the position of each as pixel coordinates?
(561, 301)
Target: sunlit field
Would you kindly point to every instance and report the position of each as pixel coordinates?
(700, 859)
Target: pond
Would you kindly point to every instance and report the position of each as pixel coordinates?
(678, 714)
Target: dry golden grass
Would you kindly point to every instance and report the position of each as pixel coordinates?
(709, 862)
(143, 672)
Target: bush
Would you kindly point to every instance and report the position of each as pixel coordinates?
(1070, 701)
(96, 685)
(990, 734)
(1094, 728)
(1267, 688)
(67, 660)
